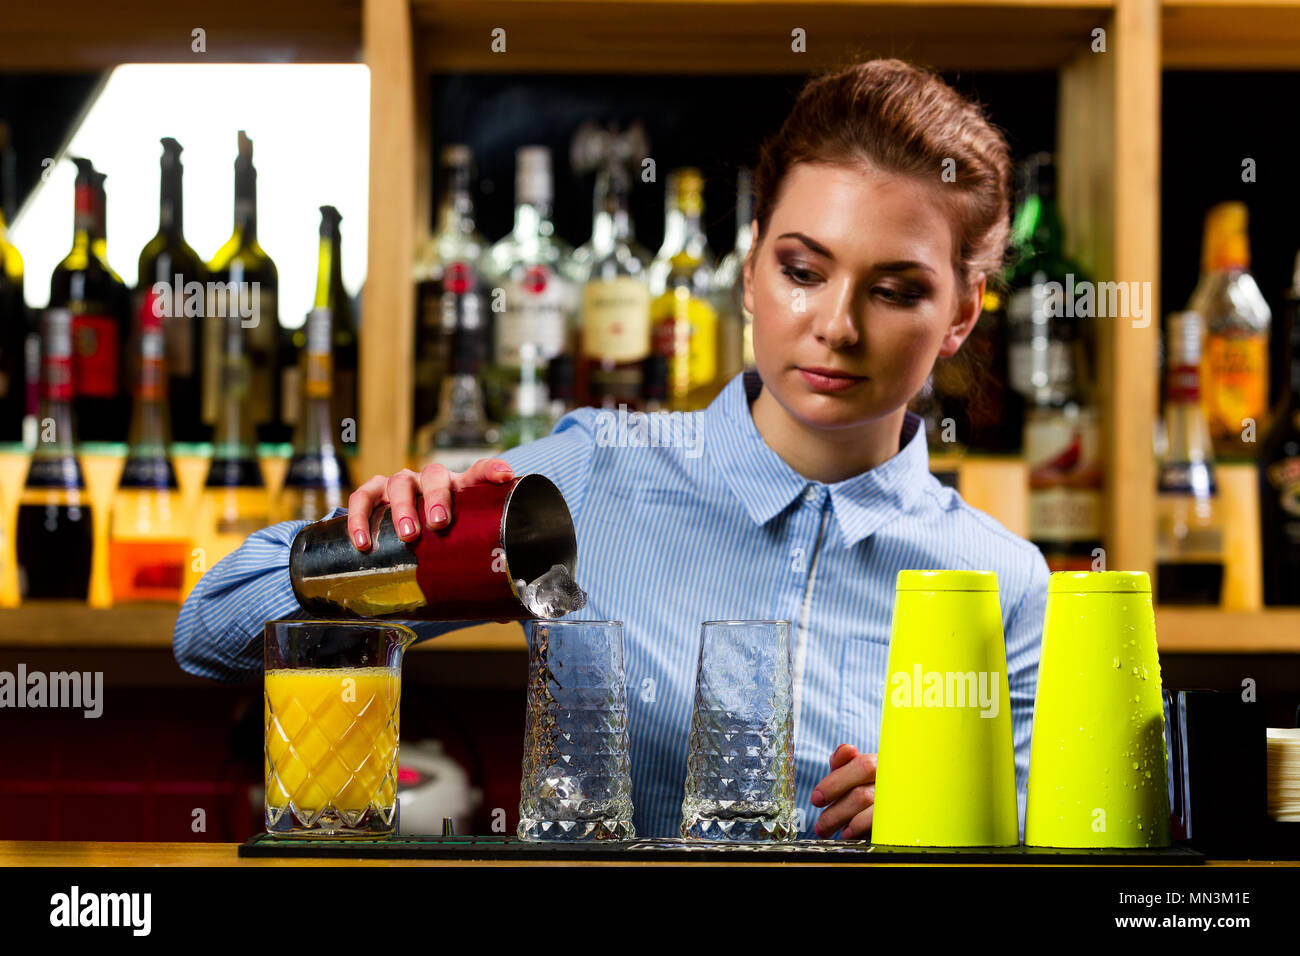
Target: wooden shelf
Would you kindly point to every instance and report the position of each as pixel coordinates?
(73, 624)
(1215, 631)
(743, 36)
(1230, 34)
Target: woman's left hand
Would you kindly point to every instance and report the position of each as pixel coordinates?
(847, 794)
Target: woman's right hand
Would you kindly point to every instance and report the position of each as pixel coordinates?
(404, 491)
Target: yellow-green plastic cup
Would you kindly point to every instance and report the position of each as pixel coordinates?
(1097, 759)
(945, 772)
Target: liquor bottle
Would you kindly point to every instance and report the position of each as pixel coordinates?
(1279, 475)
(683, 318)
(561, 382)
(448, 285)
(234, 502)
(14, 327)
(528, 417)
(172, 286)
(1047, 365)
(615, 304)
(1189, 532)
(54, 538)
(735, 324)
(531, 267)
(248, 286)
(1234, 366)
(149, 535)
(331, 298)
(317, 480)
(674, 237)
(654, 387)
(462, 433)
(87, 286)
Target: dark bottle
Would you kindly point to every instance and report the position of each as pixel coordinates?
(462, 434)
(172, 287)
(1279, 476)
(54, 536)
(87, 286)
(249, 284)
(333, 301)
(14, 328)
(448, 286)
(317, 480)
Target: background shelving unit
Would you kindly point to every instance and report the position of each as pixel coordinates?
(1108, 141)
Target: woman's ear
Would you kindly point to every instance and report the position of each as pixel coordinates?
(963, 323)
(747, 270)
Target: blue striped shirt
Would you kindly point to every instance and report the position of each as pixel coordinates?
(691, 517)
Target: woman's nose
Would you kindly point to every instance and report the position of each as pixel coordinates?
(836, 325)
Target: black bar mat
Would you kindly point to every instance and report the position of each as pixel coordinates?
(509, 849)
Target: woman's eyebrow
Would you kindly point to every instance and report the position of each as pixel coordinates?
(901, 265)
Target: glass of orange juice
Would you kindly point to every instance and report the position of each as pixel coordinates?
(331, 717)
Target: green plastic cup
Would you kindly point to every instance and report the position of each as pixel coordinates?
(1097, 759)
(946, 772)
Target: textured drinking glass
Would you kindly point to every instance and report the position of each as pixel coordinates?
(577, 782)
(740, 768)
(945, 773)
(1097, 760)
(331, 698)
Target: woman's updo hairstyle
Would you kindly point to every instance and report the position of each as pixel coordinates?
(899, 118)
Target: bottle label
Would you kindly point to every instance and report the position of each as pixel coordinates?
(616, 320)
(535, 312)
(1284, 475)
(95, 356)
(686, 333)
(1065, 476)
(1235, 370)
(177, 313)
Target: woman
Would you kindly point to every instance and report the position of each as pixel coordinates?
(881, 209)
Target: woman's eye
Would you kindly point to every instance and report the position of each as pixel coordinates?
(801, 276)
(904, 297)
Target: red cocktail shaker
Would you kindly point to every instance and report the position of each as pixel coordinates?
(502, 537)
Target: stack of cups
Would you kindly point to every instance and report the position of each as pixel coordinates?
(1097, 762)
(945, 772)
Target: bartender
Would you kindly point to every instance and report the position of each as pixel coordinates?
(805, 486)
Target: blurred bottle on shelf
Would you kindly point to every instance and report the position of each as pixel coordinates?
(14, 324)
(234, 502)
(448, 286)
(528, 417)
(333, 301)
(674, 237)
(1189, 529)
(317, 479)
(1047, 366)
(615, 302)
(172, 286)
(149, 534)
(54, 536)
(86, 285)
(531, 268)
(654, 387)
(683, 318)
(249, 287)
(561, 379)
(1234, 366)
(462, 433)
(1279, 473)
(735, 324)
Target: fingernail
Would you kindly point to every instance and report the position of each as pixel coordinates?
(501, 469)
(360, 538)
(438, 514)
(818, 798)
(407, 527)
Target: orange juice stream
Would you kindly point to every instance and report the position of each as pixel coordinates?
(331, 738)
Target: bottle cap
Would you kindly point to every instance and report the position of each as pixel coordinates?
(1227, 241)
(533, 174)
(947, 581)
(456, 154)
(1084, 582)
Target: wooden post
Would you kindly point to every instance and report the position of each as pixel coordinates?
(387, 321)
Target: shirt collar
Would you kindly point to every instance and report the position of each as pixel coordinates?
(766, 485)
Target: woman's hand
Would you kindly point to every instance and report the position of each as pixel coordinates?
(434, 485)
(847, 794)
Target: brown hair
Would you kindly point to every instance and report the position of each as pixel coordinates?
(904, 119)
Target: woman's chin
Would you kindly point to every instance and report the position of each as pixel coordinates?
(833, 410)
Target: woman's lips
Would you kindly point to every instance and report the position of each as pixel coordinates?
(829, 380)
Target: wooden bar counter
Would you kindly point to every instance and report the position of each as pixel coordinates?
(20, 853)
